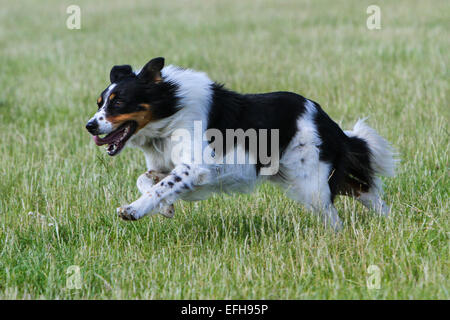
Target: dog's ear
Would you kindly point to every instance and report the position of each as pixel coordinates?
(119, 72)
(151, 72)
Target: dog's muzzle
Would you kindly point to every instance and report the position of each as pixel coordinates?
(92, 127)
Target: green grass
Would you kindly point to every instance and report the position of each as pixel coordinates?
(241, 246)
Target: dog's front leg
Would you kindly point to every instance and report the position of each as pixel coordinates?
(146, 181)
(182, 179)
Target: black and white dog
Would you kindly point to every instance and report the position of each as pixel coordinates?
(315, 159)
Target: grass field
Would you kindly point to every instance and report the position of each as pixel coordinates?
(58, 191)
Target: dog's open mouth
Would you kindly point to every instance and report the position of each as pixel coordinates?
(116, 140)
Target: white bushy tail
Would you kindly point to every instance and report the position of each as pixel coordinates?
(382, 155)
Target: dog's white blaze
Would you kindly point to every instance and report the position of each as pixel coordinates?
(104, 126)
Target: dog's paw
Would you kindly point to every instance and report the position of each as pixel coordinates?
(168, 211)
(148, 179)
(155, 176)
(127, 213)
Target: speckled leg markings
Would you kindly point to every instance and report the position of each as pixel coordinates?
(164, 193)
(148, 180)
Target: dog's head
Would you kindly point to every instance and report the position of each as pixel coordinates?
(128, 104)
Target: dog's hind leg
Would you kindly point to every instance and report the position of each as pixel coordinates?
(318, 202)
(309, 186)
(376, 158)
(373, 201)
(306, 177)
(148, 180)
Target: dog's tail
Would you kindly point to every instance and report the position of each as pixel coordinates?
(369, 155)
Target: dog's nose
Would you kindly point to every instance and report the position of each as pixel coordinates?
(92, 126)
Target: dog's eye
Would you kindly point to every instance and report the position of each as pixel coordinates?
(118, 103)
(115, 101)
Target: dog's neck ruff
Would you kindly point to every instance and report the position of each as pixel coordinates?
(194, 96)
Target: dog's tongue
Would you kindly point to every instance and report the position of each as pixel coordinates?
(99, 141)
(110, 138)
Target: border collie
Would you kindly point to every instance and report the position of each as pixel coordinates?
(316, 159)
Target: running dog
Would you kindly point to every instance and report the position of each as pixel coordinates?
(316, 160)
